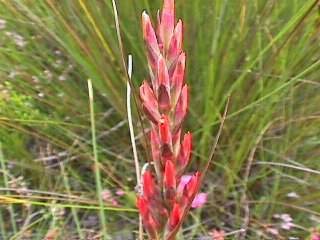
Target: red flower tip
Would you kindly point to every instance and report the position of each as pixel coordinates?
(148, 185)
(175, 216)
(169, 175)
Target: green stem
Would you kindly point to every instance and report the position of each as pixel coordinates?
(96, 162)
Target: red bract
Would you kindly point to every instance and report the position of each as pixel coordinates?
(175, 216)
(167, 194)
(169, 176)
(148, 185)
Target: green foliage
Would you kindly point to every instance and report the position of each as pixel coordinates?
(263, 54)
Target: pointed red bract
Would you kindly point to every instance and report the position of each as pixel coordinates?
(178, 77)
(143, 206)
(167, 22)
(175, 216)
(148, 184)
(149, 103)
(192, 186)
(155, 142)
(170, 176)
(175, 47)
(182, 106)
(151, 40)
(164, 130)
(185, 150)
(164, 85)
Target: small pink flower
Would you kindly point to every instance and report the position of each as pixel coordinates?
(183, 182)
(217, 234)
(315, 237)
(200, 200)
(120, 192)
(106, 195)
(108, 198)
(273, 231)
(315, 234)
(287, 225)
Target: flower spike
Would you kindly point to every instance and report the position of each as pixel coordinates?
(167, 193)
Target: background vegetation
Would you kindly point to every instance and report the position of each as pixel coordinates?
(265, 54)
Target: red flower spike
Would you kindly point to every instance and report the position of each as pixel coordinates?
(175, 216)
(175, 46)
(164, 85)
(150, 104)
(148, 185)
(166, 105)
(167, 22)
(185, 150)
(182, 106)
(169, 176)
